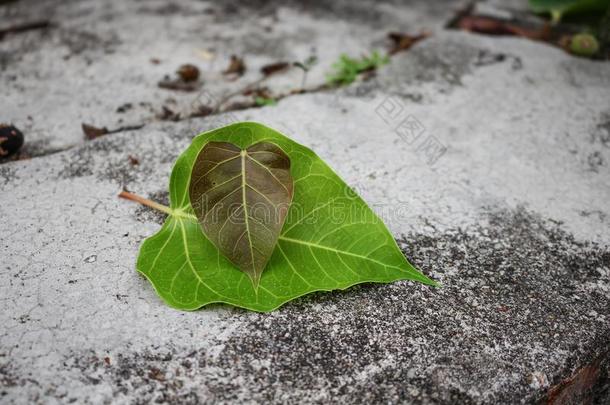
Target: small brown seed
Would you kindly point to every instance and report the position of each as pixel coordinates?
(188, 72)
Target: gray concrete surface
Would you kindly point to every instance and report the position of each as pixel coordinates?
(97, 57)
(512, 219)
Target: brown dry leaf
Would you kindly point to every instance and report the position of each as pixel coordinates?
(178, 84)
(92, 132)
(402, 42)
(273, 68)
(202, 111)
(258, 92)
(239, 105)
(167, 114)
(236, 66)
(495, 26)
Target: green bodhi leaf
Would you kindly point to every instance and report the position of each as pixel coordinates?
(241, 198)
(330, 238)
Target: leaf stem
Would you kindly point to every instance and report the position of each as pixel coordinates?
(145, 201)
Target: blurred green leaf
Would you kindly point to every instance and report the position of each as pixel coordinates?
(559, 8)
(262, 101)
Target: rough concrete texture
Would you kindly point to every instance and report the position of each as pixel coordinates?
(512, 219)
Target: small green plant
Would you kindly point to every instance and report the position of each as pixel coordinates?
(347, 68)
(263, 101)
(305, 66)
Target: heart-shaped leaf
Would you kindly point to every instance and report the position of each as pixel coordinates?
(241, 198)
(330, 239)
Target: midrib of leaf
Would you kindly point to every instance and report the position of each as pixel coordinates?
(243, 196)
